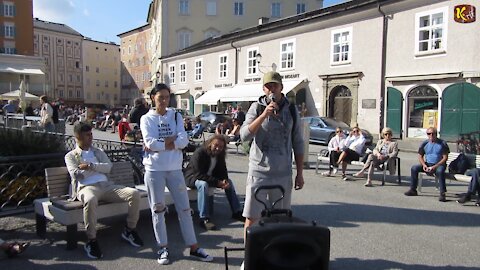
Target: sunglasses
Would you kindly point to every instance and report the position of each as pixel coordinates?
(429, 133)
(354, 130)
(387, 134)
(338, 132)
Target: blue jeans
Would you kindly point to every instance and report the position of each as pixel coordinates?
(203, 202)
(439, 173)
(474, 186)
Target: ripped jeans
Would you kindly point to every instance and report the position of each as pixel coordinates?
(155, 181)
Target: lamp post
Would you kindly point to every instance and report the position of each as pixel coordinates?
(258, 59)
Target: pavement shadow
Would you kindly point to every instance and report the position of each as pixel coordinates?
(378, 264)
(24, 263)
(330, 215)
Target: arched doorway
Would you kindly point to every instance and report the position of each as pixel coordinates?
(301, 101)
(460, 110)
(422, 110)
(340, 104)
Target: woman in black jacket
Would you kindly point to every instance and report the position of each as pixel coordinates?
(207, 168)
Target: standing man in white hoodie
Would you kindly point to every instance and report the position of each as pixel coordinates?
(46, 113)
(164, 138)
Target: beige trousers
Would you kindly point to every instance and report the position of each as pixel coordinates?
(108, 192)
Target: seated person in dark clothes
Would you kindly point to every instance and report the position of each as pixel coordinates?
(207, 168)
(473, 188)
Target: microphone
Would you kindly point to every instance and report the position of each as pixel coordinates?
(272, 98)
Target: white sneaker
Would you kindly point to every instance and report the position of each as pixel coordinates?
(163, 256)
(334, 171)
(242, 266)
(202, 255)
(326, 173)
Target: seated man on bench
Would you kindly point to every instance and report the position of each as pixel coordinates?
(88, 166)
(473, 187)
(207, 168)
(432, 155)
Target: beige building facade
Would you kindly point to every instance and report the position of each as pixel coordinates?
(101, 73)
(178, 24)
(135, 64)
(369, 63)
(61, 48)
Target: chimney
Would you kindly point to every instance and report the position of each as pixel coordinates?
(262, 20)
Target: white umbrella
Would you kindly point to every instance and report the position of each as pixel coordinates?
(23, 91)
(15, 94)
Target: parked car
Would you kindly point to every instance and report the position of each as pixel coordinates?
(211, 119)
(322, 129)
(186, 114)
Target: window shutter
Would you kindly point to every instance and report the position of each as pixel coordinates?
(2, 30)
(14, 11)
(1, 9)
(14, 30)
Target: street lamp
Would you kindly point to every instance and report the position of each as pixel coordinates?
(258, 59)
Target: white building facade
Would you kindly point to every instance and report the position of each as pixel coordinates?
(376, 63)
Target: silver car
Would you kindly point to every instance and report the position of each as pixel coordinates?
(322, 129)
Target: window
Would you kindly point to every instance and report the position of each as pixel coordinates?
(183, 73)
(276, 10)
(183, 7)
(8, 9)
(198, 70)
(287, 54)
(341, 46)
(171, 73)
(87, 68)
(223, 66)
(9, 30)
(238, 8)
(77, 64)
(9, 50)
(129, 49)
(252, 68)
(211, 7)
(78, 79)
(115, 84)
(106, 83)
(431, 31)
(60, 93)
(301, 8)
(183, 39)
(70, 93)
(211, 33)
(78, 93)
(70, 78)
(97, 83)
(97, 70)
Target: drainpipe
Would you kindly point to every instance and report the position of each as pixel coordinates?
(236, 61)
(383, 67)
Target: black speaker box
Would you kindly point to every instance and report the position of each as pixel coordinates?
(285, 242)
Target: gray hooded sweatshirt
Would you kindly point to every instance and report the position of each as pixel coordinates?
(271, 149)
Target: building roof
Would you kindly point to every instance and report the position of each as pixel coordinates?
(140, 28)
(56, 27)
(106, 43)
(327, 13)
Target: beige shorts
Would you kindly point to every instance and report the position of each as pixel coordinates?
(253, 208)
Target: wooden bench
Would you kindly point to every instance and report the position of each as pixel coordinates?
(321, 158)
(69, 213)
(474, 162)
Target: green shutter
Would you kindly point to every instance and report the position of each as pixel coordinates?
(394, 111)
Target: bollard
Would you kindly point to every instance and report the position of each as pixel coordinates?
(306, 141)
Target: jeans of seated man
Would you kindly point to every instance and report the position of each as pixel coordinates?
(203, 202)
(439, 173)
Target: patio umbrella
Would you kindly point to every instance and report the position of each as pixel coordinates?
(14, 95)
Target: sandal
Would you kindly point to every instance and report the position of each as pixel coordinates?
(16, 248)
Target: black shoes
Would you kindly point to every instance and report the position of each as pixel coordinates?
(207, 224)
(238, 216)
(411, 192)
(93, 249)
(132, 237)
(442, 197)
(465, 198)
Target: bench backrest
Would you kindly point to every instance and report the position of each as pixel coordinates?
(473, 160)
(58, 179)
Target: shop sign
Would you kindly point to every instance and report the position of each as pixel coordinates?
(464, 14)
(221, 85)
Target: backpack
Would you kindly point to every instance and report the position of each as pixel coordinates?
(459, 165)
(55, 114)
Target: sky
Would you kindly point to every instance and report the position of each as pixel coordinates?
(101, 20)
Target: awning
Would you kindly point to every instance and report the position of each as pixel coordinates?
(16, 95)
(211, 97)
(251, 92)
(424, 77)
(181, 92)
(20, 69)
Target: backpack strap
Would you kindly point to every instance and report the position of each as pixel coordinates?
(291, 108)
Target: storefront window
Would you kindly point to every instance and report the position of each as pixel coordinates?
(422, 110)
